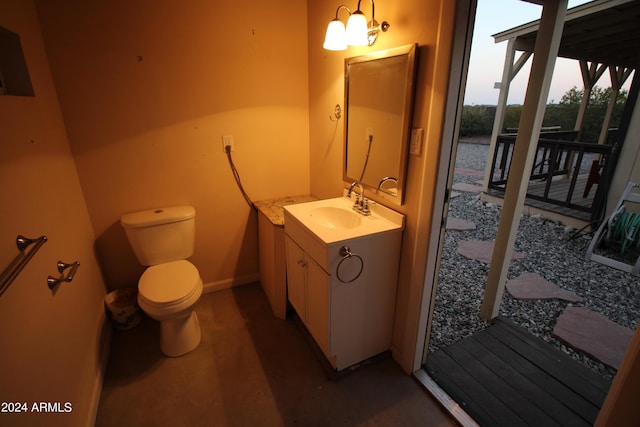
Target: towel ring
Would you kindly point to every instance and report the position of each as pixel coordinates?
(346, 253)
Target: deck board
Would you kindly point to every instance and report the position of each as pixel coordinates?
(551, 387)
(591, 384)
(506, 376)
(463, 388)
(545, 410)
(500, 381)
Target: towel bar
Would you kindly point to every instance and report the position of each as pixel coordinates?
(21, 260)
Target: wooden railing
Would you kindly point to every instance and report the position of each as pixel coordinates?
(559, 161)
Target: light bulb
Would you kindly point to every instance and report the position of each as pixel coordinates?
(336, 38)
(357, 29)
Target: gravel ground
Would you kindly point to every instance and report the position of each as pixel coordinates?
(551, 250)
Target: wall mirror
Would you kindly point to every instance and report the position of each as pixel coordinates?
(379, 91)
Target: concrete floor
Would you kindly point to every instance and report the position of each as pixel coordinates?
(251, 369)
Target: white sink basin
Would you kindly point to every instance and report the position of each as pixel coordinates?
(334, 217)
(334, 220)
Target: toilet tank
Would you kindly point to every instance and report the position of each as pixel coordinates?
(161, 235)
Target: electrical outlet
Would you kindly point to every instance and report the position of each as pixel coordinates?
(227, 141)
(368, 132)
(417, 135)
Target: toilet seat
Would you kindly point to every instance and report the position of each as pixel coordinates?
(170, 284)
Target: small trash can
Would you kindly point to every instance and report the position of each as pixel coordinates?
(123, 306)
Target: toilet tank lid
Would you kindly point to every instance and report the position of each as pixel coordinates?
(157, 216)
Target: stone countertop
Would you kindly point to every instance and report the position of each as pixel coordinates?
(273, 208)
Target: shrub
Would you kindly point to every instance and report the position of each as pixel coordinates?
(477, 120)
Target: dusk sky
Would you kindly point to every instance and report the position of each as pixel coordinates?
(487, 57)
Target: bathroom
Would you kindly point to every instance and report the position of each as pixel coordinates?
(131, 103)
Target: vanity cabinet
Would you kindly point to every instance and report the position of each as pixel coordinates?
(308, 287)
(347, 303)
(271, 250)
(296, 277)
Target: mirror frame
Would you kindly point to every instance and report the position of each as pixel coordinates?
(410, 51)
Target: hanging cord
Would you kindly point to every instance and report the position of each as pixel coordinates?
(626, 230)
(366, 158)
(236, 176)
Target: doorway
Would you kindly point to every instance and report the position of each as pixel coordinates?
(549, 249)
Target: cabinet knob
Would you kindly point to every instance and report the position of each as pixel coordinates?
(301, 263)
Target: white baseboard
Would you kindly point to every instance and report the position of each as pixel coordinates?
(230, 283)
(105, 348)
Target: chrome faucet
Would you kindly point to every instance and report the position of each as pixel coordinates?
(385, 179)
(361, 204)
(353, 184)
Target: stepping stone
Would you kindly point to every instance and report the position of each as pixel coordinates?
(459, 224)
(532, 286)
(469, 188)
(593, 334)
(481, 250)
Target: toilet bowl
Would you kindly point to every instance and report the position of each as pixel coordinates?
(167, 293)
(163, 239)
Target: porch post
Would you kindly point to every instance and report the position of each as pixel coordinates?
(618, 77)
(509, 71)
(545, 52)
(590, 75)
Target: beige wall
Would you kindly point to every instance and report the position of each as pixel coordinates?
(430, 24)
(51, 343)
(147, 90)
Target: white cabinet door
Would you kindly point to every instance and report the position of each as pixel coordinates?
(318, 321)
(296, 278)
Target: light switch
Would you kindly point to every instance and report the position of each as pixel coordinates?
(417, 135)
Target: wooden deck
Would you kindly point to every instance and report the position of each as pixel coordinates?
(558, 191)
(505, 376)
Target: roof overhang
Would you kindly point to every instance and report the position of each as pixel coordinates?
(602, 31)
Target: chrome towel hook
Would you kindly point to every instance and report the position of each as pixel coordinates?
(52, 282)
(345, 253)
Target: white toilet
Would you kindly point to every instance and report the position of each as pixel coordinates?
(167, 291)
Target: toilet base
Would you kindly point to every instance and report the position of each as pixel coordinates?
(179, 336)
